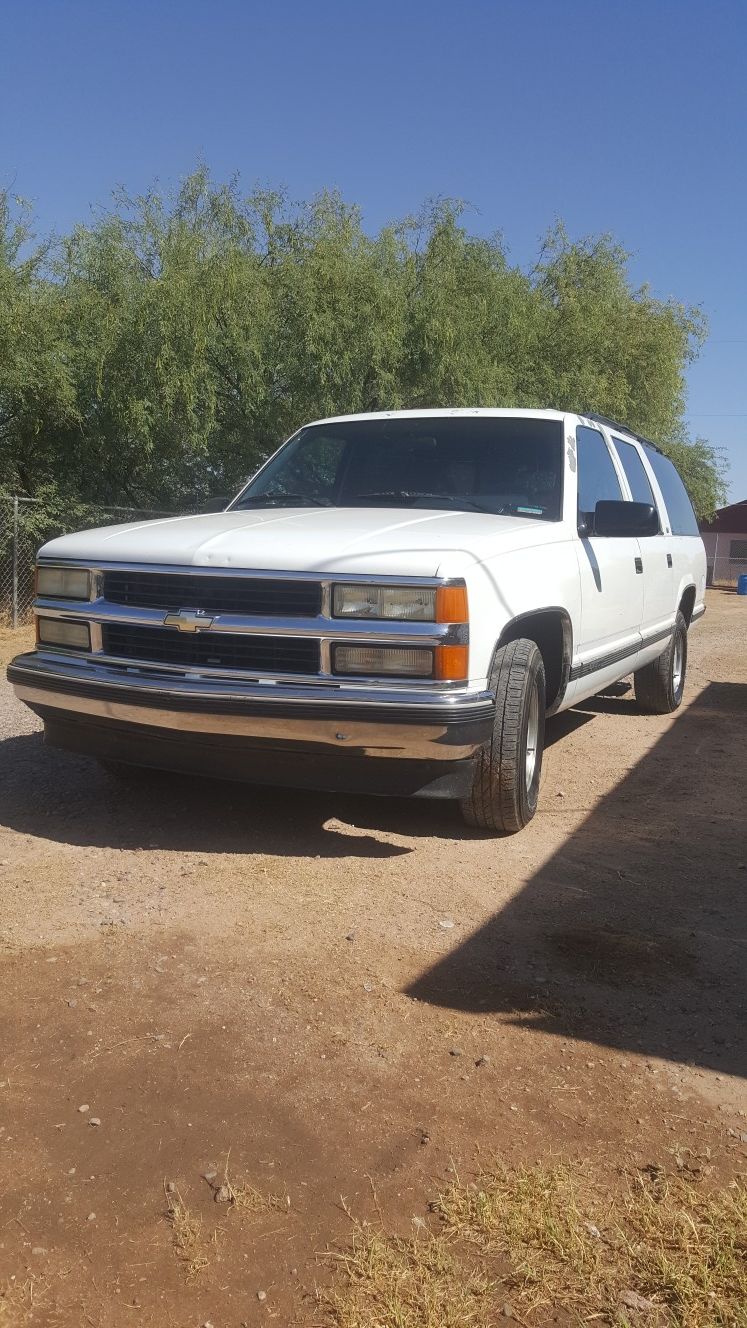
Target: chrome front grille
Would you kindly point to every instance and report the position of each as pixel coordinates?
(214, 650)
(230, 622)
(263, 597)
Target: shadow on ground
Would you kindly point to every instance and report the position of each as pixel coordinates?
(70, 799)
(635, 933)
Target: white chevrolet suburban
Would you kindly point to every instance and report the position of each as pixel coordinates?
(393, 604)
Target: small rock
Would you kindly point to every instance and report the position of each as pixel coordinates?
(91, 1217)
(456, 1051)
(38, 1249)
(632, 1301)
(350, 936)
(223, 1194)
(207, 1324)
(261, 1295)
(482, 1060)
(593, 1231)
(170, 1187)
(446, 924)
(84, 1107)
(507, 1310)
(368, 986)
(72, 1004)
(94, 1120)
(209, 1175)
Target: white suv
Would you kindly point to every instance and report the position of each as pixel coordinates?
(393, 604)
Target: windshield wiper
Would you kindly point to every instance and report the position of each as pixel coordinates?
(283, 500)
(405, 496)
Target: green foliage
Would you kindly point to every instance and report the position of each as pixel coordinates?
(156, 356)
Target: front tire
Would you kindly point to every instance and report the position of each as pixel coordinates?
(659, 686)
(506, 783)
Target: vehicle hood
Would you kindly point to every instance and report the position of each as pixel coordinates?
(326, 540)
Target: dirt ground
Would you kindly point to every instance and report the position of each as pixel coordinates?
(340, 999)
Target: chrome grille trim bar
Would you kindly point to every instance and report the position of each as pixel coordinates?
(349, 629)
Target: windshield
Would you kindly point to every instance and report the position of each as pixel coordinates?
(500, 465)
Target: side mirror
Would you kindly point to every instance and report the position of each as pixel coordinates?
(626, 520)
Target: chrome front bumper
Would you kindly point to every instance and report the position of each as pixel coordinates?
(311, 735)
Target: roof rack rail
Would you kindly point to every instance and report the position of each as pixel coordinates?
(615, 424)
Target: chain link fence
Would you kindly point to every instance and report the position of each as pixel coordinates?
(725, 571)
(25, 525)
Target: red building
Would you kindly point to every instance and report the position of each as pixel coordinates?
(725, 539)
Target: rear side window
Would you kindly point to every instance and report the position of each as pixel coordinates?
(597, 477)
(681, 514)
(635, 472)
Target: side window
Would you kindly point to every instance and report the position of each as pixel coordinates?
(635, 472)
(681, 514)
(597, 477)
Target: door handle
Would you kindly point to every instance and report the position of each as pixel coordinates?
(639, 565)
(669, 560)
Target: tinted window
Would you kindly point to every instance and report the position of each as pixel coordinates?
(310, 470)
(681, 514)
(511, 465)
(635, 472)
(597, 477)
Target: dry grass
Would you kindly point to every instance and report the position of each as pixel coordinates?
(567, 1247)
(248, 1199)
(417, 1283)
(16, 1303)
(189, 1243)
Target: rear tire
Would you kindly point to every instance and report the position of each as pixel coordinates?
(659, 686)
(506, 783)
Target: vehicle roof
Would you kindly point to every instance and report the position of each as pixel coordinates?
(440, 412)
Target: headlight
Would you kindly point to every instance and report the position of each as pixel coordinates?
(63, 582)
(58, 632)
(382, 660)
(408, 603)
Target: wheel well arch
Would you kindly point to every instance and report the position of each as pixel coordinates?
(552, 632)
(687, 603)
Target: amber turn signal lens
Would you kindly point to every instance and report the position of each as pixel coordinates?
(451, 663)
(451, 604)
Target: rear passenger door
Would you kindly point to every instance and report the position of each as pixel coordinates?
(655, 550)
(611, 584)
(681, 529)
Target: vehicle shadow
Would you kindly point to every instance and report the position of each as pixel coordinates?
(72, 800)
(634, 934)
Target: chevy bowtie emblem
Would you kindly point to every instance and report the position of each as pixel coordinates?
(187, 621)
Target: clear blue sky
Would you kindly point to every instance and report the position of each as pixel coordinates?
(627, 116)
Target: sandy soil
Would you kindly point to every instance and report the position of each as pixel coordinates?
(345, 997)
